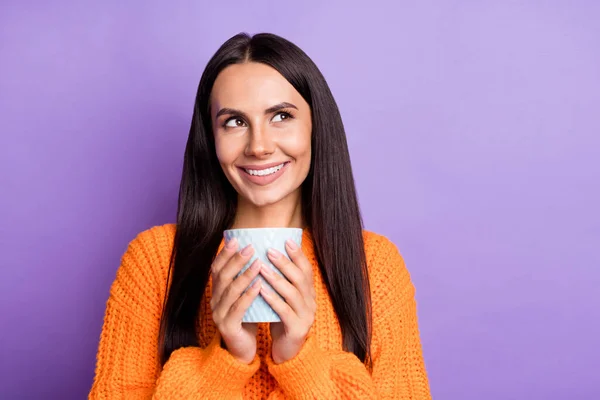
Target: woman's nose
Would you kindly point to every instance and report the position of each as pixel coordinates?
(261, 143)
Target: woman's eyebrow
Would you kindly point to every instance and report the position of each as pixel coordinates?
(231, 111)
(279, 106)
(270, 110)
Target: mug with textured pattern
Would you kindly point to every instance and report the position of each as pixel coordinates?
(262, 239)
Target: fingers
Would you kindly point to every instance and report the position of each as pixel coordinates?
(239, 307)
(287, 268)
(232, 296)
(224, 255)
(229, 317)
(235, 289)
(222, 306)
(223, 276)
(297, 325)
(289, 292)
(299, 272)
(299, 292)
(298, 257)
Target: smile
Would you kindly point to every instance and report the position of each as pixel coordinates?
(263, 176)
(264, 172)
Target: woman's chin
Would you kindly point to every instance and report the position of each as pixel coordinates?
(264, 199)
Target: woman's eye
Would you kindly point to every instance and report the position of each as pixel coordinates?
(281, 116)
(234, 123)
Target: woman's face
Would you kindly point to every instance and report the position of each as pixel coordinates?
(262, 128)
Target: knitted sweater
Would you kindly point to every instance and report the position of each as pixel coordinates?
(128, 365)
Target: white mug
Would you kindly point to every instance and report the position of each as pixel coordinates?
(261, 240)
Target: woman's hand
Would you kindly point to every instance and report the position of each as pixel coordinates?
(297, 312)
(229, 302)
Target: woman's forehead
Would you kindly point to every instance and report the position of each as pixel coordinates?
(251, 86)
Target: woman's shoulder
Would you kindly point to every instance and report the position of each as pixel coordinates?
(376, 241)
(148, 255)
(159, 237)
(378, 246)
(154, 245)
(141, 278)
(384, 260)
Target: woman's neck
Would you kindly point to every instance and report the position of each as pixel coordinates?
(286, 213)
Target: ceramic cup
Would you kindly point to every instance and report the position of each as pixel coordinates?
(262, 239)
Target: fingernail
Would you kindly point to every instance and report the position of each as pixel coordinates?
(291, 244)
(264, 292)
(257, 284)
(247, 250)
(274, 253)
(231, 244)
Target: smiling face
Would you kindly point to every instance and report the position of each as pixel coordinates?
(262, 128)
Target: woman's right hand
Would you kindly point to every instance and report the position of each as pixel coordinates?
(229, 302)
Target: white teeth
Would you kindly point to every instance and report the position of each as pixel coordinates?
(264, 172)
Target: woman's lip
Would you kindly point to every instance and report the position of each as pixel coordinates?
(261, 167)
(264, 180)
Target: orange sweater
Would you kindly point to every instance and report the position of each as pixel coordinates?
(128, 365)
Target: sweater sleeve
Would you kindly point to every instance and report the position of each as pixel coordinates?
(128, 366)
(398, 365)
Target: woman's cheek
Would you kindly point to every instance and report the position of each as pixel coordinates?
(296, 142)
(226, 149)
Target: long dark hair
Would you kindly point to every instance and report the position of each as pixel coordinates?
(207, 201)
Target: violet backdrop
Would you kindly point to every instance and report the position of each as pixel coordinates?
(474, 131)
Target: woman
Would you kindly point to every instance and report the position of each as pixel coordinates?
(266, 148)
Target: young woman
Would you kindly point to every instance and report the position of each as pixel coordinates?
(266, 148)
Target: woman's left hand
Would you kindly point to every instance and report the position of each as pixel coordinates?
(297, 312)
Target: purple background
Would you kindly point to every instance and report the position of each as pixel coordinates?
(474, 131)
